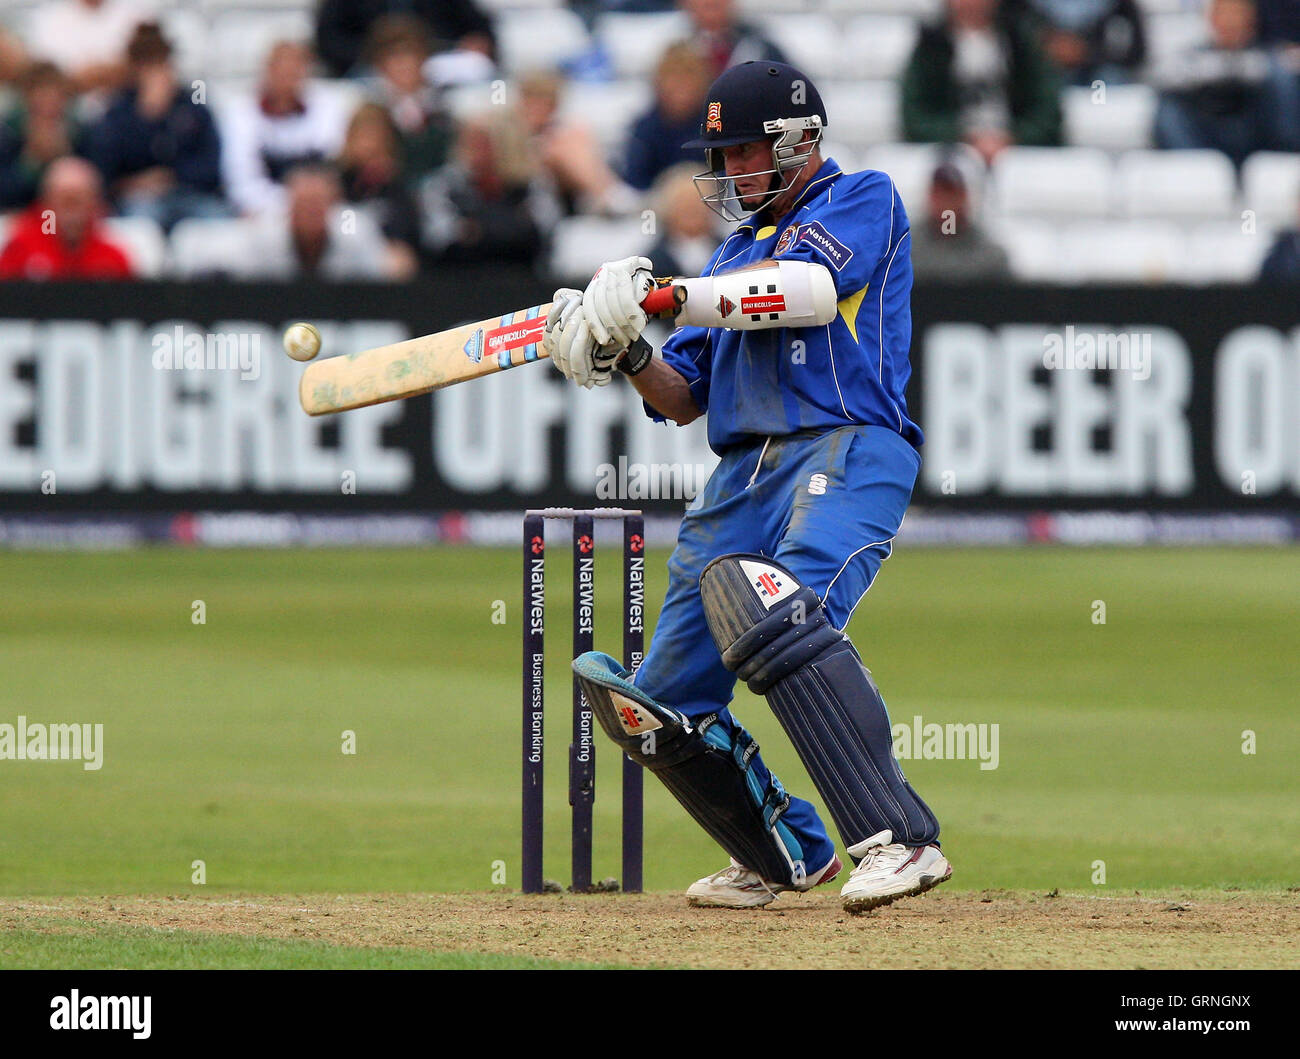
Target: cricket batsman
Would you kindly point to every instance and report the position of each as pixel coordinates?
(798, 354)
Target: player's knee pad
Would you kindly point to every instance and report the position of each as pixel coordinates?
(705, 767)
(775, 635)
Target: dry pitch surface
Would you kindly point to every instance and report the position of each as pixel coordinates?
(993, 929)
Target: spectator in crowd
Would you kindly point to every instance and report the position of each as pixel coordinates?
(344, 26)
(286, 121)
(980, 77)
(60, 235)
(1282, 265)
(399, 46)
(568, 152)
(487, 204)
(723, 39)
(1279, 22)
(370, 166)
(687, 228)
(312, 238)
(1093, 40)
(1230, 94)
(35, 132)
(13, 57)
(87, 39)
(681, 79)
(948, 245)
(157, 149)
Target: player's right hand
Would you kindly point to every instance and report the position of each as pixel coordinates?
(569, 343)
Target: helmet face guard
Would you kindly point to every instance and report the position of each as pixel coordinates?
(790, 153)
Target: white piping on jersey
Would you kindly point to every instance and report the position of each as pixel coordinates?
(887, 540)
(869, 584)
(830, 351)
(759, 466)
(880, 334)
(720, 262)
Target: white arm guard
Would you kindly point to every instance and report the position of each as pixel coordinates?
(785, 294)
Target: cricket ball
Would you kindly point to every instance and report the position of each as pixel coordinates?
(302, 341)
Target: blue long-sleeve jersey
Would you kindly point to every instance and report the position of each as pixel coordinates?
(852, 370)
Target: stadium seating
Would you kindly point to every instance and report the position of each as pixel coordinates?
(1118, 118)
(582, 244)
(1271, 187)
(635, 42)
(1053, 182)
(1193, 185)
(143, 242)
(207, 248)
(540, 38)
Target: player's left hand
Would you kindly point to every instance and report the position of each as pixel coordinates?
(569, 343)
(611, 304)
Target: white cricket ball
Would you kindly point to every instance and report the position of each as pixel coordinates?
(302, 341)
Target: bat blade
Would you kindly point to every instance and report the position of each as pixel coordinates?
(421, 365)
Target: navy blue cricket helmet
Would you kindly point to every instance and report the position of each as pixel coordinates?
(753, 101)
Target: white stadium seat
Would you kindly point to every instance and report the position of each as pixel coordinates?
(240, 40)
(1220, 252)
(876, 46)
(1053, 182)
(188, 32)
(1270, 182)
(209, 247)
(920, 9)
(861, 113)
(1034, 250)
(749, 8)
(635, 42)
(503, 8)
(540, 39)
(911, 165)
(1123, 251)
(810, 42)
(1172, 33)
(143, 242)
(581, 244)
(1120, 120)
(1189, 185)
(608, 108)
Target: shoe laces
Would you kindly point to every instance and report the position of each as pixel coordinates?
(883, 857)
(737, 874)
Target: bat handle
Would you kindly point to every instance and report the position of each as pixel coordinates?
(665, 301)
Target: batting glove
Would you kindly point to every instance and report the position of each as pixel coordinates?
(569, 343)
(611, 303)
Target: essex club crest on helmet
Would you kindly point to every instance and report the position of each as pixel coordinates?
(762, 101)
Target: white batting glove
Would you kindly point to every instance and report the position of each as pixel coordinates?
(569, 343)
(611, 303)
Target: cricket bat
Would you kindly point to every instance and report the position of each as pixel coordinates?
(431, 362)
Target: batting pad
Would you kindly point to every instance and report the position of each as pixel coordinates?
(706, 769)
(774, 634)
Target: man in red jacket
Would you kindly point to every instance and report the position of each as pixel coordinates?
(59, 236)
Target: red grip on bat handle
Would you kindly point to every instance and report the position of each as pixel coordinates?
(664, 301)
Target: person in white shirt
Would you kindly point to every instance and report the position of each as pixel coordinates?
(288, 120)
(87, 39)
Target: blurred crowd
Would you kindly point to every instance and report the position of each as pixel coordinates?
(393, 139)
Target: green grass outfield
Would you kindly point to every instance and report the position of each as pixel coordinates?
(1119, 743)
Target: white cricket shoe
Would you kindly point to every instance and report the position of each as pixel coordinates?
(889, 870)
(738, 887)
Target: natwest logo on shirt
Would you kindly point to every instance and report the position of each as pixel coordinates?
(832, 249)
